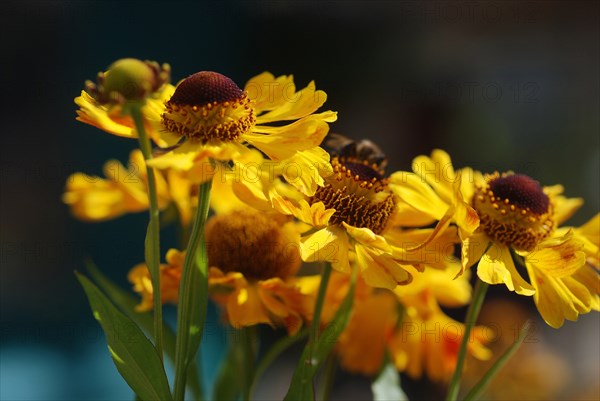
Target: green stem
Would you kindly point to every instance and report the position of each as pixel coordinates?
(193, 297)
(313, 334)
(475, 393)
(152, 238)
(472, 314)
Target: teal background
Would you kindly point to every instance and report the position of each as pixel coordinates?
(499, 85)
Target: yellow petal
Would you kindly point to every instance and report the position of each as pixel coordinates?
(564, 208)
(315, 215)
(306, 169)
(559, 299)
(282, 142)
(497, 267)
(416, 192)
(407, 216)
(558, 257)
(321, 245)
(437, 171)
(379, 269)
(367, 237)
(246, 309)
(296, 105)
(464, 215)
(473, 249)
(94, 114)
(267, 92)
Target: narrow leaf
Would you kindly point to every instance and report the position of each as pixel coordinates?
(193, 296)
(126, 302)
(133, 354)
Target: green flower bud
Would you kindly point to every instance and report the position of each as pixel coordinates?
(128, 80)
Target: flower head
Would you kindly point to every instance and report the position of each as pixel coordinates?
(207, 107)
(253, 258)
(514, 210)
(128, 79)
(209, 117)
(353, 216)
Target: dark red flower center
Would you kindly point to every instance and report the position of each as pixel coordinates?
(206, 87)
(522, 191)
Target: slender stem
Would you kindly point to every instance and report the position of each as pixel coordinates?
(475, 393)
(314, 328)
(193, 296)
(472, 314)
(153, 242)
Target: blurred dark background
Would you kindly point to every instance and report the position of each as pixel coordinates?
(499, 85)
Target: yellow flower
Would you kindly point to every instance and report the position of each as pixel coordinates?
(209, 117)
(516, 213)
(520, 217)
(124, 191)
(170, 276)
(352, 215)
(253, 257)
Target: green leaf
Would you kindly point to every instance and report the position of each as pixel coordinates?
(126, 302)
(302, 386)
(133, 354)
(387, 385)
(193, 296)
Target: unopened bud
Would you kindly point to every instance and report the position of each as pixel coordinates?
(128, 79)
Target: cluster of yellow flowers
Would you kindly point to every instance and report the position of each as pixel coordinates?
(286, 191)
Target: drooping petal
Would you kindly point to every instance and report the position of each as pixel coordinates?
(379, 269)
(497, 267)
(556, 300)
(321, 245)
(368, 238)
(245, 308)
(473, 249)
(464, 215)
